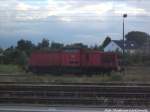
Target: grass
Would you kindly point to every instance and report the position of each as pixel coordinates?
(10, 69)
(133, 74)
(137, 74)
(47, 78)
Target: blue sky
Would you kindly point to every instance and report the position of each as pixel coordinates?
(70, 21)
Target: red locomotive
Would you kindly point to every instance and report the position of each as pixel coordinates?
(77, 61)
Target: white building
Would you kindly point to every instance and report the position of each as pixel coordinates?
(117, 46)
(112, 46)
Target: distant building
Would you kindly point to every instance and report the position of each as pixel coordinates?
(117, 46)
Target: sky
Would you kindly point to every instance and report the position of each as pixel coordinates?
(70, 21)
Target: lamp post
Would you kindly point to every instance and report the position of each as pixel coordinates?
(124, 16)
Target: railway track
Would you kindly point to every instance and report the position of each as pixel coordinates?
(114, 83)
(77, 94)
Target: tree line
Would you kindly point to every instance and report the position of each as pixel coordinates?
(19, 54)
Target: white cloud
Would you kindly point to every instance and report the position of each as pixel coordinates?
(25, 7)
(57, 8)
(66, 19)
(71, 12)
(67, 10)
(131, 10)
(97, 9)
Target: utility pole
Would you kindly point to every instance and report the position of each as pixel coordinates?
(124, 16)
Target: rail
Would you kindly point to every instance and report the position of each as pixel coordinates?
(108, 95)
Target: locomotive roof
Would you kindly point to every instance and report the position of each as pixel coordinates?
(71, 50)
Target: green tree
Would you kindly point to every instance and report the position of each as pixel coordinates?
(101, 48)
(96, 47)
(1, 55)
(77, 45)
(1, 50)
(22, 60)
(10, 55)
(106, 41)
(44, 44)
(55, 45)
(25, 45)
(137, 36)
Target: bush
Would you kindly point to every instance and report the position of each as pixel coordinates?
(22, 60)
(116, 77)
(10, 69)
